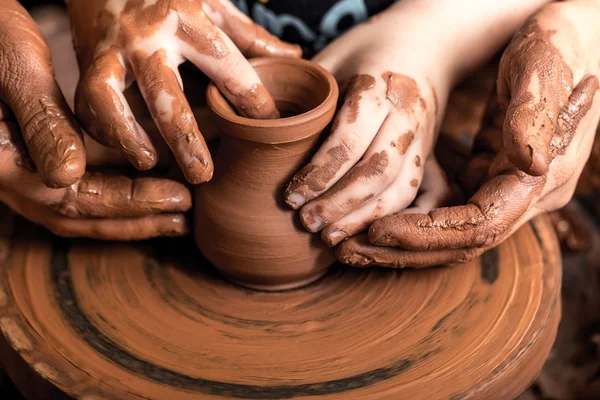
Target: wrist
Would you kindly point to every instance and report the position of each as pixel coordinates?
(463, 33)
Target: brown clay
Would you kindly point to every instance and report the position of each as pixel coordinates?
(242, 224)
(93, 320)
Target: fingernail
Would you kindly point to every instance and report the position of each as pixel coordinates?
(199, 171)
(336, 237)
(311, 222)
(295, 200)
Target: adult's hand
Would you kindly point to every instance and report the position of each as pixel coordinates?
(96, 206)
(529, 155)
(29, 92)
(118, 41)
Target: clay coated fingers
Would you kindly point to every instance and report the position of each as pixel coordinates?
(159, 84)
(250, 38)
(229, 69)
(537, 82)
(105, 114)
(359, 252)
(386, 170)
(396, 197)
(580, 102)
(102, 196)
(122, 229)
(488, 216)
(51, 134)
(352, 132)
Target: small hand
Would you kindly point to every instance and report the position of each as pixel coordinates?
(551, 72)
(379, 149)
(97, 206)
(29, 92)
(119, 41)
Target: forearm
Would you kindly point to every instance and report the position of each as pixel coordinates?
(463, 33)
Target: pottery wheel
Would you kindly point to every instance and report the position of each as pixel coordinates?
(95, 320)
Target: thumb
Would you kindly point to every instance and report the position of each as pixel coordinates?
(29, 90)
(536, 83)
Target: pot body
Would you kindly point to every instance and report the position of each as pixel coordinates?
(242, 224)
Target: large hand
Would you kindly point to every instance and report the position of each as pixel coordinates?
(29, 91)
(118, 41)
(96, 206)
(544, 117)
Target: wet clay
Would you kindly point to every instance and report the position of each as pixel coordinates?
(402, 91)
(29, 93)
(531, 122)
(316, 177)
(354, 89)
(404, 141)
(417, 161)
(242, 224)
(119, 41)
(153, 321)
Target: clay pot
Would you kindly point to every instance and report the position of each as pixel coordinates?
(242, 225)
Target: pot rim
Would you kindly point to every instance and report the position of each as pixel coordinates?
(269, 130)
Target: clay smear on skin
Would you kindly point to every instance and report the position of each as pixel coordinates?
(414, 183)
(569, 118)
(375, 166)
(316, 177)
(402, 91)
(404, 142)
(418, 161)
(354, 89)
(533, 119)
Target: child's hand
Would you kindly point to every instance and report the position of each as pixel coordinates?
(543, 121)
(118, 41)
(373, 162)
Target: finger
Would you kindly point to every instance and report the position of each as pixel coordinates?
(490, 214)
(159, 83)
(359, 252)
(572, 113)
(250, 38)
(217, 56)
(122, 229)
(94, 195)
(399, 195)
(98, 195)
(434, 190)
(105, 114)
(353, 130)
(536, 95)
(49, 129)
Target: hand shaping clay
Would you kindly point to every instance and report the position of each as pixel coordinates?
(241, 222)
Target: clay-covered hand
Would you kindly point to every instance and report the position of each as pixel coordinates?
(543, 118)
(118, 41)
(96, 206)
(29, 92)
(374, 160)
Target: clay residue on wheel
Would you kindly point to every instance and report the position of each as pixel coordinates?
(374, 166)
